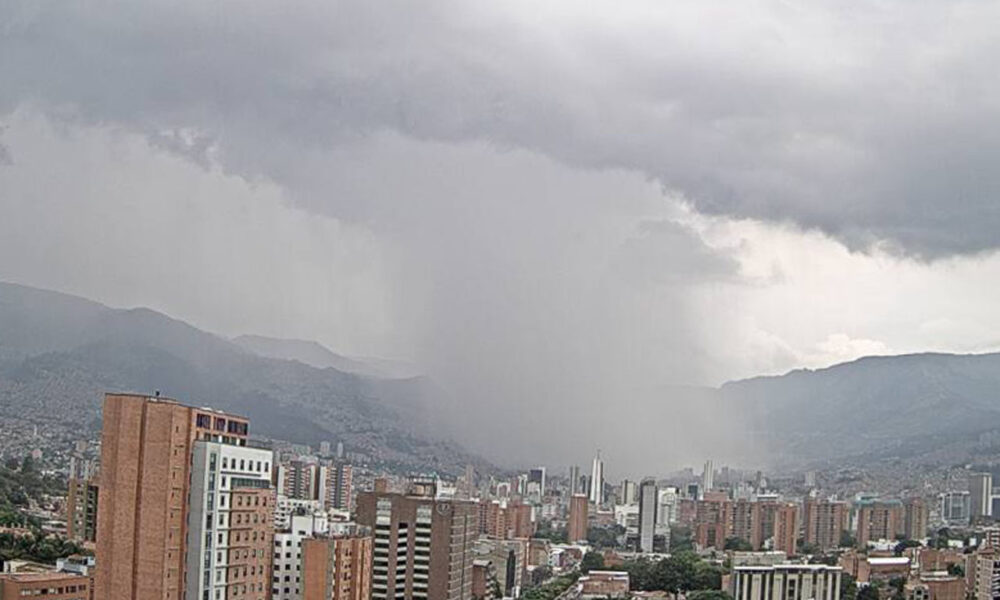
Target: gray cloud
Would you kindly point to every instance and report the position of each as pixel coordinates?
(515, 179)
(874, 124)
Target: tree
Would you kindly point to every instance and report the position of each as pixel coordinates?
(868, 592)
(903, 545)
(847, 539)
(848, 587)
(956, 570)
(738, 544)
(709, 595)
(592, 561)
(680, 539)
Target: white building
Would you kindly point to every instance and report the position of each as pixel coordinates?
(287, 575)
(669, 505)
(217, 470)
(597, 481)
(786, 582)
(708, 477)
(286, 507)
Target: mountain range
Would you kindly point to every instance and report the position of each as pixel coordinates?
(59, 354)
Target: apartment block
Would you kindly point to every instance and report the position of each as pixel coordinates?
(423, 545)
(786, 582)
(231, 523)
(146, 449)
(337, 568)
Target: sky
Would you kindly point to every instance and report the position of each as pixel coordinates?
(557, 210)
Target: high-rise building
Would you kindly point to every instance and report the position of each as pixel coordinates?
(423, 546)
(669, 500)
(980, 492)
(879, 520)
(955, 507)
(708, 477)
(231, 510)
(824, 521)
(336, 486)
(786, 582)
(81, 510)
(574, 481)
(578, 514)
(629, 493)
(915, 517)
(537, 476)
(337, 568)
(299, 479)
(597, 481)
(648, 505)
(142, 514)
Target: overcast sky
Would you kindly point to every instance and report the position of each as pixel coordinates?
(545, 205)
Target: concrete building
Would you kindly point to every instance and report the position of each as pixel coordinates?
(980, 495)
(51, 586)
(574, 481)
(81, 510)
(508, 559)
(231, 518)
(823, 522)
(785, 582)
(597, 481)
(956, 507)
(146, 449)
(648, 504)
(423, 546)
(708, 477)
(577, 526)
(537, 476)
(337, 568)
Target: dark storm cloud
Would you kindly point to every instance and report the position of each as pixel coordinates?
(877, 124)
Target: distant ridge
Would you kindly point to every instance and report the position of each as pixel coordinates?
(317, 355)
(59, 353)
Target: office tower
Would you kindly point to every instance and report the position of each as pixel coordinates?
(629, 493)
(81, 510)
(648, 496)
(537, 476)
(335, 487)
(708, 477)
(324, 448)
(597, 481)
(340, 449)
(576, 528)
(146, 449)
(231, 534)
(980, 491)
(509, 561)
(287, 580)
(824, 521)
(955, 507)
(785, 582)
(878, 520)
(915, 517)
(574, 481)
(423, 546)
(337, 568)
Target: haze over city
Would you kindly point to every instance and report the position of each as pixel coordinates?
(562, 214)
